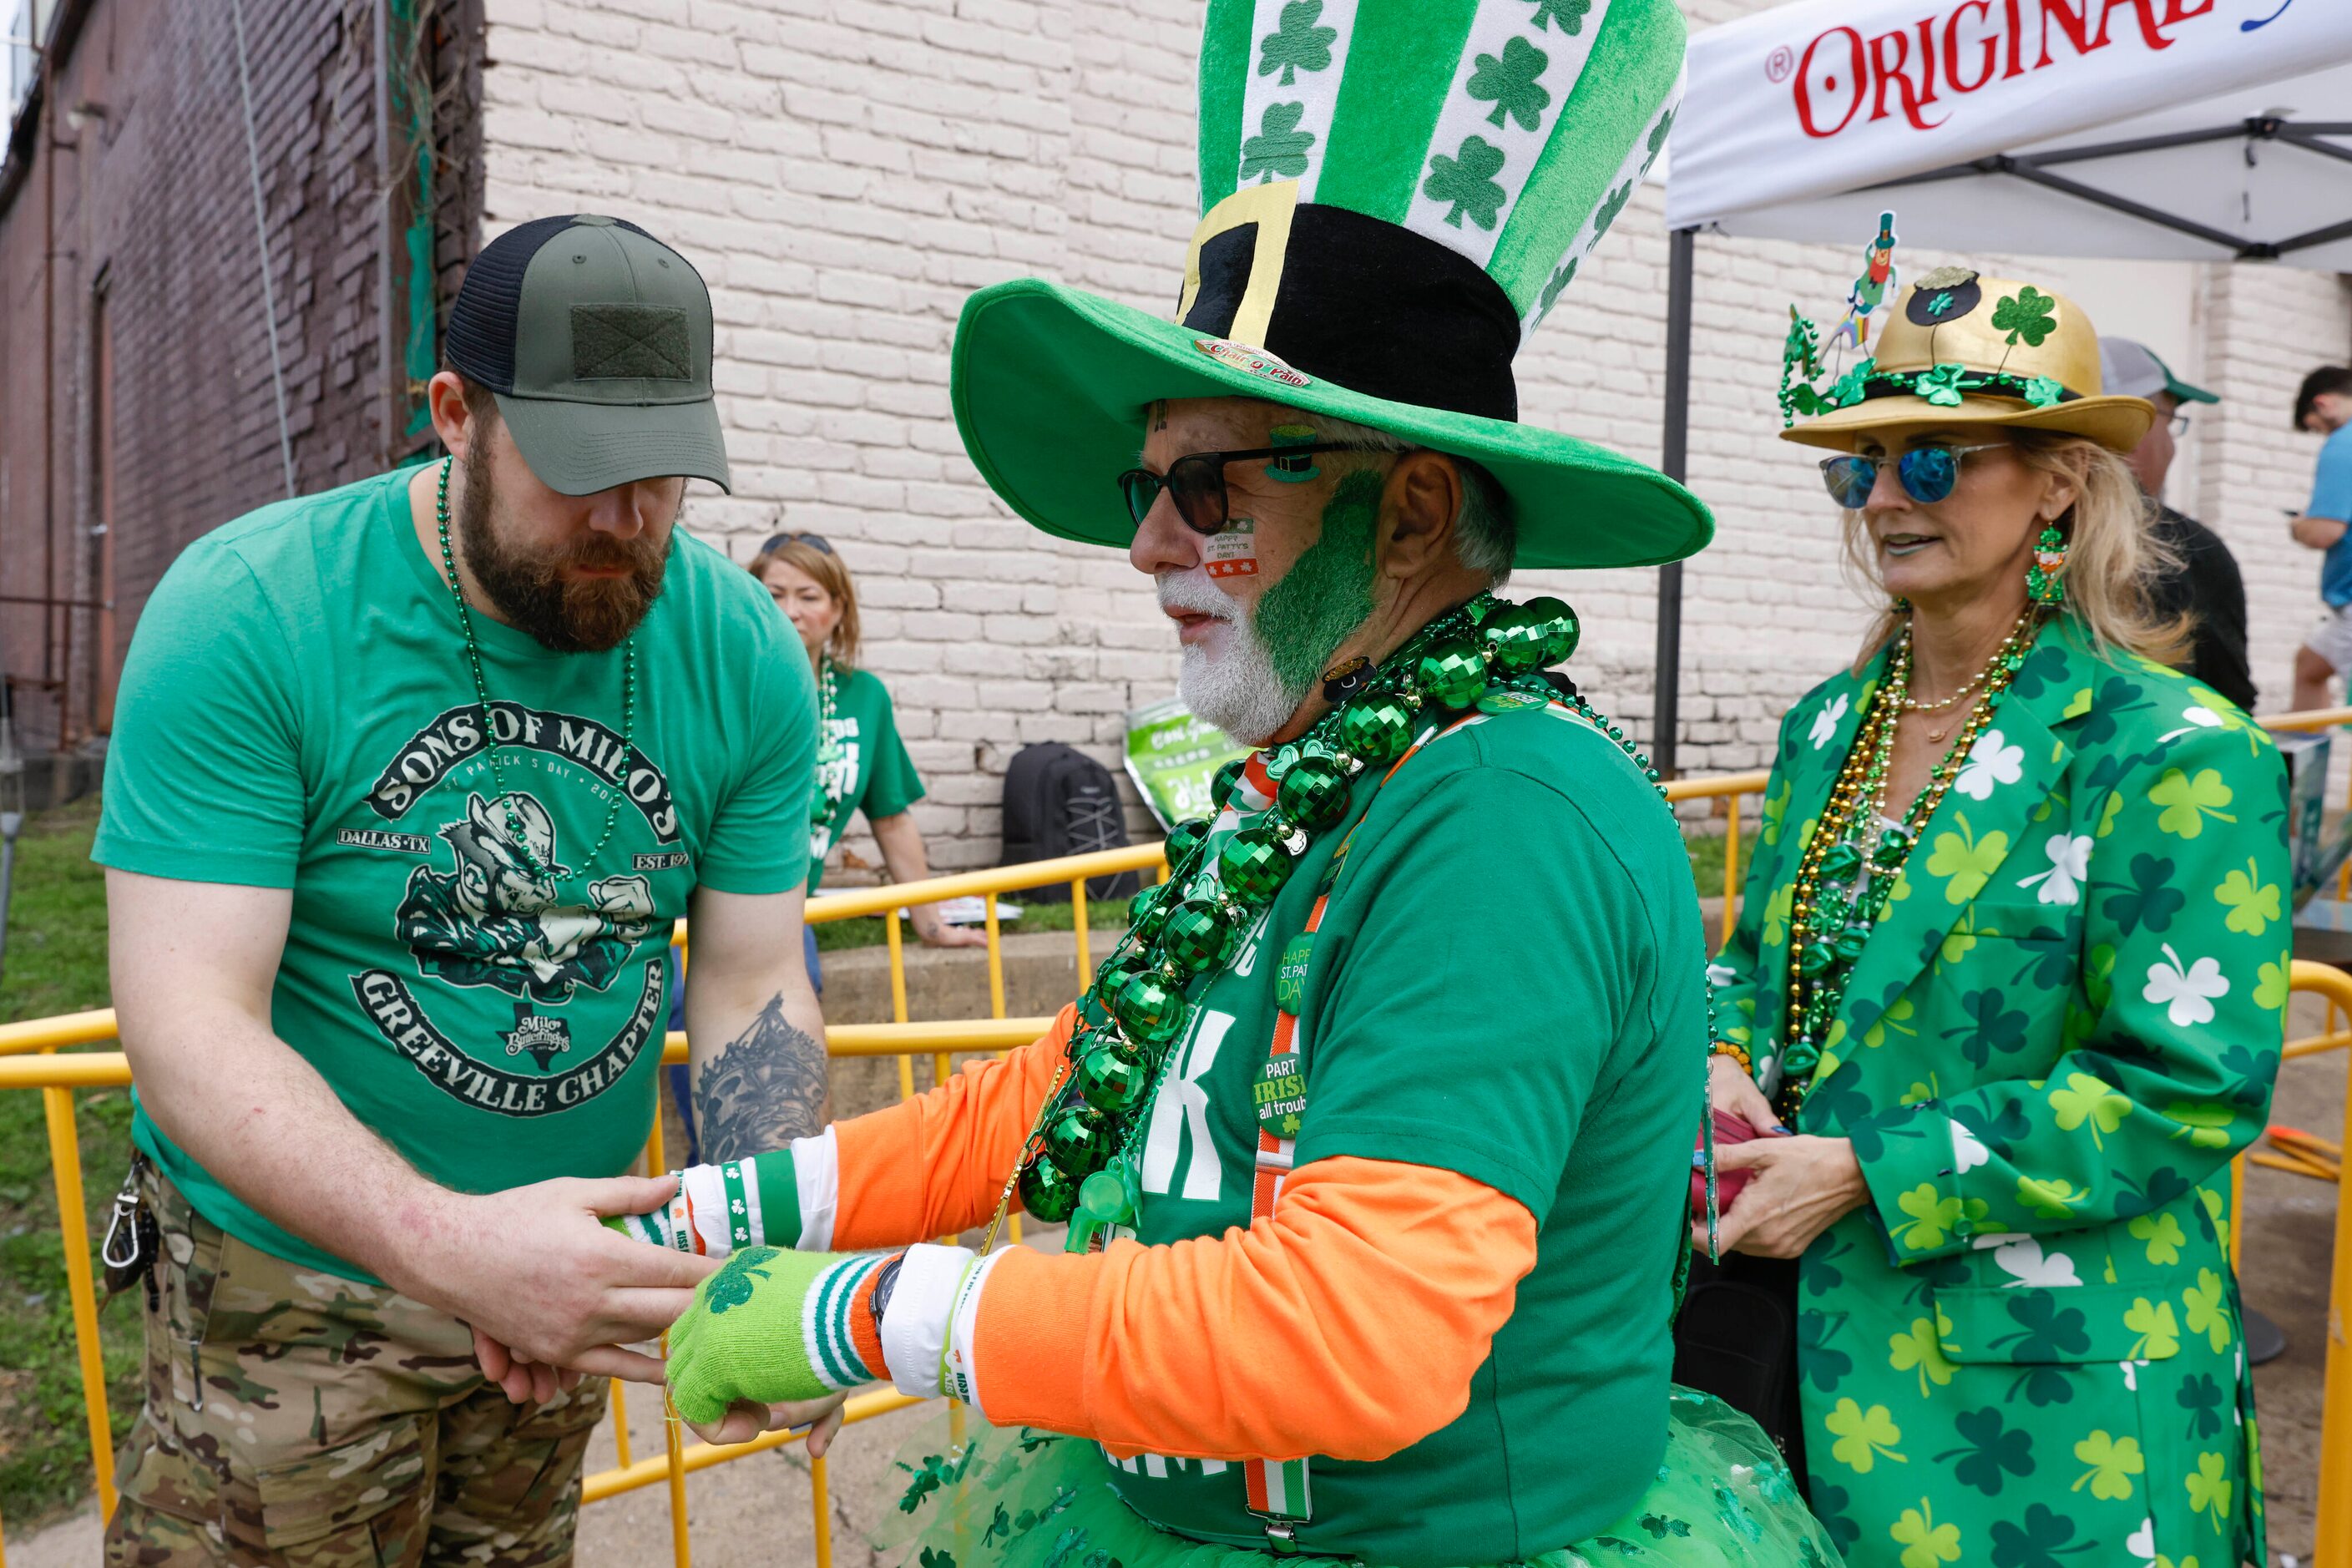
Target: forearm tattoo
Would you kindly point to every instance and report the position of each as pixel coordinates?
(765, 1089)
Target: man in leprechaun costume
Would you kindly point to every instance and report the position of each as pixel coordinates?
(1373, 1134)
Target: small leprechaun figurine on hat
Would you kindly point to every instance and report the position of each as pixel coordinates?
(1372, 1135)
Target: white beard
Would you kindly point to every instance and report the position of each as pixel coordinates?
(1235, 687)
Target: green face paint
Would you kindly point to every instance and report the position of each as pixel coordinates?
(1327, 591)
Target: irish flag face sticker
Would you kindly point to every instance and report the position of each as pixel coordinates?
(1232, 550)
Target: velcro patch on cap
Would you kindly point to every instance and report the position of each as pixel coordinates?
(646, 342)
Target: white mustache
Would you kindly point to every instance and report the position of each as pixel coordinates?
(1191, 591)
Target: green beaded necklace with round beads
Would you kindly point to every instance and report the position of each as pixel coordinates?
(1081, 1151)
(825, 799)
(482, 700)
(1851, 863)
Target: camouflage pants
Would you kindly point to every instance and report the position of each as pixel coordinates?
(298, 1417)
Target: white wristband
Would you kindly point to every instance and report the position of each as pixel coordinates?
(915, 1327)
(816, 1177)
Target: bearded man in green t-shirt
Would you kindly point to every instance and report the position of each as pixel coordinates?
(1374, 1133)
(409, 782)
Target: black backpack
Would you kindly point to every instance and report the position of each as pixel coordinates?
(1059, 800)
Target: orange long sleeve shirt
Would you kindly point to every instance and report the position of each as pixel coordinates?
(1348, 1324)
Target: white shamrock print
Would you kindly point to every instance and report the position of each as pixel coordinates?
(2196, 715)
(2025, 1263)
(1967, 1152)
(1991, 761)
(1721, 974)
(2070, 866)
(1825, 722)
(2142, 1541)
(2187, 992)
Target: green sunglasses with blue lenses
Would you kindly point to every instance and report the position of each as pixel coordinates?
(1927, 473)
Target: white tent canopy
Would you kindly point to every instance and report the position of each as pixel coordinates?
(2176, 129)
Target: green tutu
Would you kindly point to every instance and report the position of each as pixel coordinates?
(1018, 1497)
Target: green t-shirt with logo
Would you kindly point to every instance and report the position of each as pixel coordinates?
(1508, 983)
(297, 712)
(869, 769)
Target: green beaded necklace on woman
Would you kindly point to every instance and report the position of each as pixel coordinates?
(1080, 1156)
(826, 799)
(1852, 862)
(482, 700)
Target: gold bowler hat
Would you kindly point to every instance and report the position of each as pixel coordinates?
(1968, 350)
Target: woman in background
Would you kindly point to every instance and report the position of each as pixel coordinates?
(861, 763)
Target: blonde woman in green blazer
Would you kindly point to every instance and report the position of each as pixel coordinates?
(2011, 967)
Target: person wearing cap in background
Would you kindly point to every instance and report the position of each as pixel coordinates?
(409, 781)
(2323, 406)
(1374, 1133)
(2205, 583)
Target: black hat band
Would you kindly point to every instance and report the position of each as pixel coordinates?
(1366, 304)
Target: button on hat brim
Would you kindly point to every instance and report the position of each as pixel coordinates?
(1050, 385)
(579, 448)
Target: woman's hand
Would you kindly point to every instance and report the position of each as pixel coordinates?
(746, 1419)
(1728, 1087)
(1800, 1186)
(931, 931)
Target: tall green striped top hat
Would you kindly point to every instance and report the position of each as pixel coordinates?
(1393, 193)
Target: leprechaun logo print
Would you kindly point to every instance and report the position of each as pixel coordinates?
(533, 928)
(495, 918)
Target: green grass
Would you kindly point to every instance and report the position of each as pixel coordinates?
(56, 963)
(1706, 861)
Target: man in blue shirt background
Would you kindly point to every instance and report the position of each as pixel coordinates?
(2323, 407)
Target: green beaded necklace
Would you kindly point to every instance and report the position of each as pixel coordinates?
(1851, 864)
(826, 799)
(482, 699)
(1081, 1151)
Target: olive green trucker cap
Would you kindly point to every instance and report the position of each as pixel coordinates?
(596, 338)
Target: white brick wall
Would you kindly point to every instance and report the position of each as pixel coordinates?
(845, 171)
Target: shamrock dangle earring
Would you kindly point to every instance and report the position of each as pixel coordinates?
(2044, 583)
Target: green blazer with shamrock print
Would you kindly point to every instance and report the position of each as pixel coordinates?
(2024, 1349)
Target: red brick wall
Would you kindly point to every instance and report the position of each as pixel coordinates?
(152, 204)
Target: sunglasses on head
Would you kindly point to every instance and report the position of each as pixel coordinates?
(1196, 482)
(814, 540)
(1927, 473)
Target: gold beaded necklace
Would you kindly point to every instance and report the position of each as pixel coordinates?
(1844, 878)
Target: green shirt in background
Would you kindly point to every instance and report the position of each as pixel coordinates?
(870, 771)
(296, 711)
(1508, 983)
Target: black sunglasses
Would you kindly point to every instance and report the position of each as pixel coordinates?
(1927, 473)
(1196, 482)
(814, 541)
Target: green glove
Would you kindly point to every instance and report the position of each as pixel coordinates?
(772, 1327)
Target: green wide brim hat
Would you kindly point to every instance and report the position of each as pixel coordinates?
(1396, 192)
